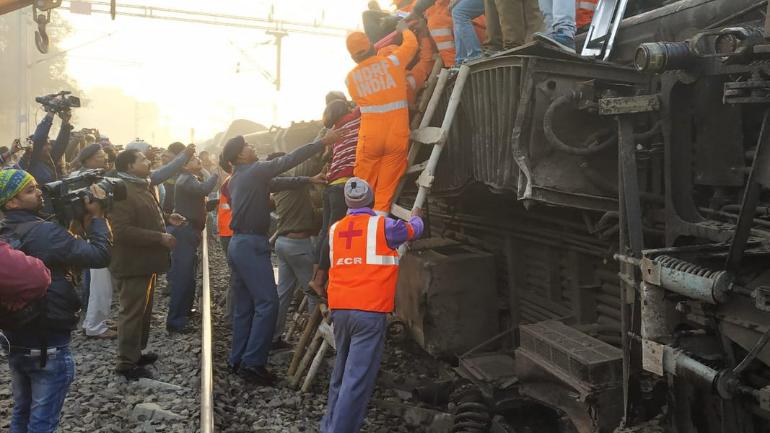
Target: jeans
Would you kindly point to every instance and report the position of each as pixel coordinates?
(255, 299)
(334, 209)
(38, 393)
(467, 45)
(225, 242)
(559, 16)
(295, 269)
(360, 339)
(181, 276)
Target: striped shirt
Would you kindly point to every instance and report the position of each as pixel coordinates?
(344, 149)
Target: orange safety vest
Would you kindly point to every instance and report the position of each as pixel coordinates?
(224, 212)
(364, 269)
(378, 84)
(584, 12)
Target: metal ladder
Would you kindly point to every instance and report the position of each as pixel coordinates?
(431, 136)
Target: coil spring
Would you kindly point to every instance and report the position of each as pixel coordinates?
(471, 417)
(687, 267)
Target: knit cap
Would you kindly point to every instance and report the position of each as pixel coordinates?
(357, 193)
(12, 182)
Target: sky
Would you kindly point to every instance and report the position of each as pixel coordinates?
(197, 78)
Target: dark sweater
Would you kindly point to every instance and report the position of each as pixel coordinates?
(190, 198)
(60, 252)
(251, 184)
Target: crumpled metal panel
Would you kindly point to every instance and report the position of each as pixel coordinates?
(479, 148)
(497, 138)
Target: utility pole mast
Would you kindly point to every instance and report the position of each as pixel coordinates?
(278, 35)
(21, 103)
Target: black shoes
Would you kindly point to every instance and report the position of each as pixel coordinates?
(183, 331)
(135, 373)
(147, 359)
(257, 376)
(279, 345)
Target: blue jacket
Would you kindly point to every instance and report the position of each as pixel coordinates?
(42, 168)
(60, 251)
(251, 185)
(190, 197)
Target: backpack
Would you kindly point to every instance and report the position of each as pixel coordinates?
(33, 312)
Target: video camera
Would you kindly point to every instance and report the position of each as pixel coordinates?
(67, 194)
(58, 102)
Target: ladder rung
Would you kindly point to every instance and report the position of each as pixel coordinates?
(417, 168)
(400, 212)
(427, 135)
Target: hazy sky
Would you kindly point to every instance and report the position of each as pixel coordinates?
(203, 76)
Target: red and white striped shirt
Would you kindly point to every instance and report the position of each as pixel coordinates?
(344, 149)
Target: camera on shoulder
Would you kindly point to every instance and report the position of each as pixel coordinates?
(67, 194)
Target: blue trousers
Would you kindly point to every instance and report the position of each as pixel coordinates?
(467, 44)
(38, 393)
(559, 16)
(360, 339)
(181, 275)
(255, 299)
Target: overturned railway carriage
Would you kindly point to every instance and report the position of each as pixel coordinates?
(614, 216)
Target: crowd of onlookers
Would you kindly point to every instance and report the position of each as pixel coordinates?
(352, 170)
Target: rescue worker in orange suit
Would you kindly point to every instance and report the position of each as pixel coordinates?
(378, 86)
(584, 13)
(417, 73)
(361, 293)
(440, 24)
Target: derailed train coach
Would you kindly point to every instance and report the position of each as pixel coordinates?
(597, 258)
(599, 229)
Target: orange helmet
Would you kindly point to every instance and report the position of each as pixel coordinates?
(358, 43)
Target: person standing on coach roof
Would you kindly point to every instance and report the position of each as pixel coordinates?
(41, 364)
(255, 296)
(361, 292)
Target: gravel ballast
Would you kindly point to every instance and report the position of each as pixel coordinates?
(100, 401)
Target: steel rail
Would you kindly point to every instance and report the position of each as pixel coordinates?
(207, 382)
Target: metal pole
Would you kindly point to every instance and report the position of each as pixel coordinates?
(22, 78)
(207, 384)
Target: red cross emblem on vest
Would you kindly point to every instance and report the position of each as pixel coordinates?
(350, 234)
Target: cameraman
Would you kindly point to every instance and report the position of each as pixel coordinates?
(141, 252)
(45, 161)
(99, 281)
(40, 360)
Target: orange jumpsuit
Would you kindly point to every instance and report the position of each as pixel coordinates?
(418, 74)
(441, 28)
(584, 12)
(378, 86)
